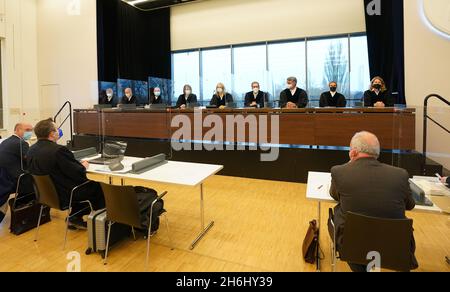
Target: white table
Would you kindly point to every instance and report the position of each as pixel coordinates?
(318, 189)
(174, 173)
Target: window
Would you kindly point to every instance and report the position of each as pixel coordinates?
(328, 61)
(315, 62)
(360, 73)
(249, 65)
(187, 71)
(216, 67)
(286, 60)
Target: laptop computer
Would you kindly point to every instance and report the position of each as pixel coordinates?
(113, 152)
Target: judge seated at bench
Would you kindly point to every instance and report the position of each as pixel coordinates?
(255, 98)
(107, 98)
(128, 98)
(156, 96)
(378, 96)
(187, 98)
(293, 97)
(332, 98)
(221, 98)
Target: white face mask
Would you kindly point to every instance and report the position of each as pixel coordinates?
(219, 90)
(109, 95)
(157, 93)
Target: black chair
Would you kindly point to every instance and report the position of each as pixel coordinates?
(391, 238)
(122, 207)
(47, 196)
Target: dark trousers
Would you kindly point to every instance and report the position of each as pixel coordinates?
(92, 193)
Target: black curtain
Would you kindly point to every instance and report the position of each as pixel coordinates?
(385, 37)
(132, 44)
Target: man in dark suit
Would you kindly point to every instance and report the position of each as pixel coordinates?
(293, 97)
(255, 98)
(13, 152)
(107, 98)
(332, 98)
(367, 187)
(46, 157)
(128, 98)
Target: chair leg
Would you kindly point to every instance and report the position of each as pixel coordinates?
(105, 261)
(39, 224)
(134, 233)
(148, 245)
(168, 232)
(67, 229)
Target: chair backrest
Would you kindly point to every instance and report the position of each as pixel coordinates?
(391, 238)
(46, 192)
(122, 205)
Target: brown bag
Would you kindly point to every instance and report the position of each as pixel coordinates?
(311, 244)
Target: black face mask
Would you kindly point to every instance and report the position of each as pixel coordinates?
(377, 86)
(333, 89)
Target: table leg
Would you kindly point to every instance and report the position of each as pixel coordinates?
(204, 230)
(318, 237)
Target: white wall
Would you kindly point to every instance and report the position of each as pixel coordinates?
(18, 20)
(67, 53)
(222, 22)
(427, 64)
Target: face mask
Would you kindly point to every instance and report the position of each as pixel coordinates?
(377, 86)
(27, 136)
(109, 95)
(255, 90)
(219, 90)
(333, 89)
(60, 134)
(188, 92)
(157, 93)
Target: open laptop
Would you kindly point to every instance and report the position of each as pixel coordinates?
(113, 151)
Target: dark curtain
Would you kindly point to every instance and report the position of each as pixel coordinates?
(385, 37)
(132, 44)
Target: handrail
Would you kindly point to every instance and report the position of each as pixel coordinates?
(426, 117)
(68, 117)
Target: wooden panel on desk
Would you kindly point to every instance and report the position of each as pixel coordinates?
(338, 129)
(297, 129)
(87, 123)
(137, 125)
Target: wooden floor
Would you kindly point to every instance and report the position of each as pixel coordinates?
(259, 226)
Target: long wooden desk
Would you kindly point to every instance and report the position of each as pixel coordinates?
(322, 127)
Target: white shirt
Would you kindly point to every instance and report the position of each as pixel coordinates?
(333, 93)
(293, 91)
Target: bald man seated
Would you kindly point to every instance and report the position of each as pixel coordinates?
(13, 152)
(366, 186)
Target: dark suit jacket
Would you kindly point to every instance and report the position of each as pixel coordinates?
(371, 98)
(132, 100)
(300, 98)
(192, 99)
(11, 156)
(369, 188)
(260, 99)
(48, 158)
(216, 101)
(327, 100)
(104, 100)
(153, 100)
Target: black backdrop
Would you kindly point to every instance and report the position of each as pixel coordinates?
(132, 44)
(385, 36)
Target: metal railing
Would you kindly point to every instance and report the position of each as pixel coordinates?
(68, 117)
(426, 117)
